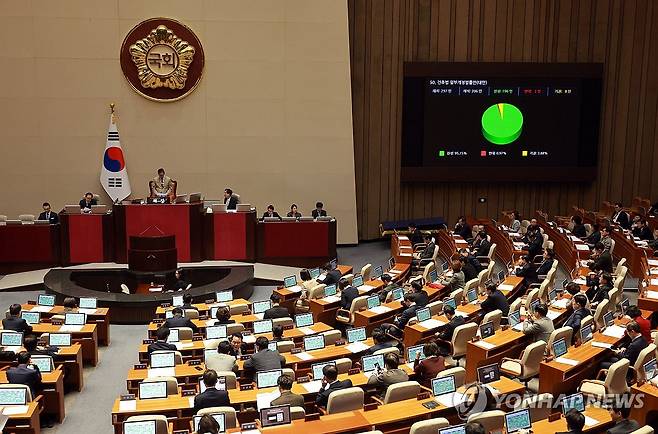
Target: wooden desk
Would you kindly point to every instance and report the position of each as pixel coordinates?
(53, 392)
(70, 360)
(600, 414)
(649, 411)
(100, 317)
(646, 300)
(27, 422)
(185, 374)
(180, 408)
(87, 337)
(417, 333)
(204, 309)
(506, 343)
(288, 297)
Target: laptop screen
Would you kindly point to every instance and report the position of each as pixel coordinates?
(304, 320)
(518, 420)
(75, 319)
(488, 373)
(575, 401)
(333, 264)
(177, 300)
(10, 396)
(289, 281)
(457, 429)
(356, 335)
(88, 303)
(514, 318)
(423, 314)
(450, 302)
(650, 369)
(170, 313)
(44, 363)
(223, 296)
(377, 272)
(59, 339)
(391, 262)
(413, 351)
(314, 342)
(443, 385)
(31, 317)
(487, 329)
(139, 427)
(219, 417)
(11, 339)
(534, 304)
(261, 306)
(433, 276)
(625, 303)
(371, 363)
(586, 333)
(216, 332)
(268, 378)
(559, 348)
(273, 416)
(373, 301)
(264, 326)
(314, 272)
(397, 294)
(163, 360)
(173, 336)
(317, 369)
(153, 390)
(357, 280)
(608, 319)
(472, 295)
(552, 294)
(330, 290)
(501, 276)
(46, 300)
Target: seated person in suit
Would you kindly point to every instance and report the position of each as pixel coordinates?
(467, 267)
(263, 359)
(645, 325)
(431, 365)
(25, 373)
(330, 384)
(391, 374)
(515, 224)
(535, 242)
(180, 283)
(347, 293)
(179, 320)
(221, 361)
(422, 298)
(381, 341)
(276, 311)
(547, 263)
(162, 185)
(620, 411)
(389, 286)
(482, 248)
(594, 238)
(606, 240)
(293, 212)
(230, 201)
(444, 335)
(428, 251)
(49, 215)
(457, 280)
(463, 229)
(599, 291)
(415, 236)
(331, 276)
(578, 303)
(575, 422)
(319, 210)
(620, 216)
(223, 316)
(270, 212)
(87, 202)
(579, 229)
(474, 428)
(400, 321)
(187, 302)
(464, 253)
(538, 326)
(641, 230)
(211, 397)
(601, 259)
(495, 300)
(630, 348)
(524, 268)
(15, 322)
(531, 229)
(161, 344)
(238, 346)
(31, 345)
(277, 333)
(287, 397)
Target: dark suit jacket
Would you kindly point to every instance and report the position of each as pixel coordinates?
(264, 360)
(622, 219)
(332, 277)
(347, 295)
(575, 319)
(643, 233)
(181, 322)
(54, 218)
(579, 231)
(545, 267)
(446, 331)
(528, 272)
(405, 316)
(483, 248)
(598, 293)
(323, 395)
(496, 301)
(315, 213)
(428, 252)
(180, 285)
(296, 215)
(243, 350)
(161, 346)
(534, 247)
(422, 299)
(603, 263)
(469, 271)
(211, 397)
(633, 349)
(274, 214)
(84, 204)
(276, 312)
(231, 202)
(416, 237)
(464, 231)
(16, 324)
(593, 238)
(21, 374)
(377, 347)
(624, 426)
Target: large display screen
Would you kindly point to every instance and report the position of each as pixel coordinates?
(500, 121)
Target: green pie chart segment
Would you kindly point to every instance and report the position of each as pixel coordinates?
(502, 123)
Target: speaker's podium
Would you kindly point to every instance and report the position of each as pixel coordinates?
(152, 252)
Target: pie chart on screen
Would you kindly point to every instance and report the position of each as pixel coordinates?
(502, 123)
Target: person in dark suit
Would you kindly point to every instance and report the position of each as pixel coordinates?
(447, 330)
(381, 341)
(389, 286)
(599, 292)
(391, 374)
(547, 263)
(187, 302)
(331, 277)
(428, 251)
(525, 269)
(319, 210)
(579, 229)
(466, 255)
(641, 230)
(293, 212)
(15, 322)
(88, 201)
(575, 422)
(211, 397)
(287, 397)
(31, 345)
(230, 201)
(276, 311)
(277, 334)
(578, 303)
(238, 346)
(535, 242)
(421, 296)
(602, 260)
(495, 300)
(636, 343)
(410, 308)
(178, 320)
(621, 217)
(620, 411)
(594, 238)
(180, 283)
(415, 236)
(467, 267)
(25, 373)
(270, 212)
(482, 248)
(330, 384)
(49, 215)
(463, 229)
(264, 359)
(474, 428)
(347, 294)
(161, 344)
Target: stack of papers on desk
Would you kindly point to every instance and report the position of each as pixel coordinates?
(653, 262)
(259, 315)
(589, 421)
(561, 303)
(653, 271)
(312, 386)
(366, 288)
(614, 331)
(574, 238)
(654, 282)
(567, 361)
(331, 299)
(518, 245)
(484, 344)
(582, 247)
(601, 344)
(70, 328)
(460, 313)
(161, 372)
(15, 350)
(304, 356)
(652, 294)
(518, 327)
(295, 288)
(190, 401)
(451, 399)
(182, 345)
(580, 281)
(130, 405)
(210, 322)
(264, 400)
(505, 287)
(15, 409)
(357, 347)
(431, 323)
(380, 309)
(87, 311)
(392, 271)
(44, 309)
(306, 330)
(553, 314)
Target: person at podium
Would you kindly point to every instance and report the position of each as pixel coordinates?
(270, 212)
(87, 202)
(319, 210)
(49, 215)
(162, 185)
(180, 283)
(293, 212)
(230, 200)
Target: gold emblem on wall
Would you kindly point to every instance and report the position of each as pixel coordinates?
(162, 59)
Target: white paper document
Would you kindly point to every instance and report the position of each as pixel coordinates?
(295, 288)
(161, 372)
(87, 311)
(357, 347)
(653, 262)
(567, 361)
(652, 294)
(70, 328)
(518, 327)
(614, 331)
(553, 314)
(249, 339)
(561, 303)
(130, 405)
(182, 345)
(580, 281)
(306, 330)
(43, 309)
(380, 309)
(505, 287)
(264, 400)
(451, 399)
(304, 356)
(403, 237)
(589, 421)
(312, 386)
(460, 313)
(331, 299)
(431, 323)
(484, 344)
(583, 247)
(15, 409)
(259, 315)
(601, 344)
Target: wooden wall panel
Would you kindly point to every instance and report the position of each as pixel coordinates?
(622, 34)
